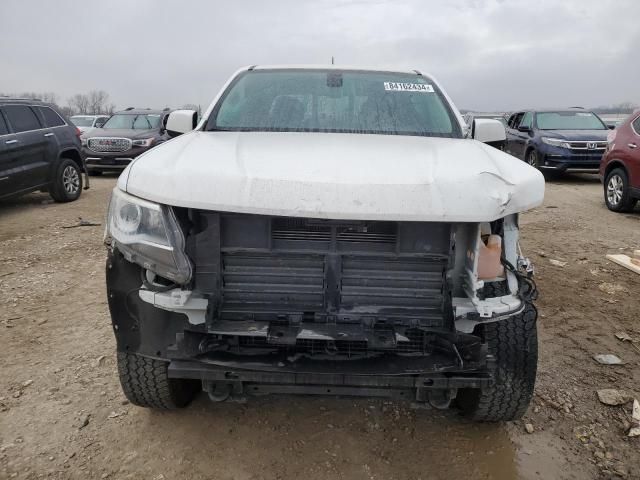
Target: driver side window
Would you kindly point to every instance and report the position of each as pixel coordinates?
(515, 120)
(527, 120)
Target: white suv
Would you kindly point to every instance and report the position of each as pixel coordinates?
(88, 122)
(325, 230)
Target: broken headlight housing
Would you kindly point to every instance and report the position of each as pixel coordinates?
(148, 234)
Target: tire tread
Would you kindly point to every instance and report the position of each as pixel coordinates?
(146, 383)
(514, 345)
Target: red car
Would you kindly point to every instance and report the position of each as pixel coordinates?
(620, 165)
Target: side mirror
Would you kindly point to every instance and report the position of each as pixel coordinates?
(611, 127)
(181, 121)
(524, 128)
(488, 130)
(99, 124)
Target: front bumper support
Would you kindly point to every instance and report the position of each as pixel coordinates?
(237, 383)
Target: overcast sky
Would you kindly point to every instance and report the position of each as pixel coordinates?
(488, 55)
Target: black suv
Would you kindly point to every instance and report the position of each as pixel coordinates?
(126, 135)
(39, 150)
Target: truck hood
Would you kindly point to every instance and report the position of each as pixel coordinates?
(337, 176)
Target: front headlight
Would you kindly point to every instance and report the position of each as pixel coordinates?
(144, 142)
(556, 142)
(148, 234)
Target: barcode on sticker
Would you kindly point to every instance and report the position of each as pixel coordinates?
(408, 87)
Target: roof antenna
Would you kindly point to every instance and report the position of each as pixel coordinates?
(332, 62)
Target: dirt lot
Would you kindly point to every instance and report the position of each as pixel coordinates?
(62, 413)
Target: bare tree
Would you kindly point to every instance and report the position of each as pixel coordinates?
(98, 101)
(79, 103)
(32, 95)
(67, 111)
(50, 97)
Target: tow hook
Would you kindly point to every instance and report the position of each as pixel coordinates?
(219, 392)
(440, 399)
(224, 391)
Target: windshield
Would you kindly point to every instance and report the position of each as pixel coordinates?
(133, 121)
(569, 121)
(82, 121)
(334, 101)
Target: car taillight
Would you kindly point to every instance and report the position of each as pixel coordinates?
(78, 132)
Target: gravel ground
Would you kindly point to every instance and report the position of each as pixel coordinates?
(63, 415)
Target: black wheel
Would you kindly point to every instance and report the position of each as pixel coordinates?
(67, 183)
(616, 191)
(514, 344)
(94, 173)
(532, 158)
(146, 383)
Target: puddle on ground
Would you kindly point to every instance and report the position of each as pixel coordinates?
(311, 438)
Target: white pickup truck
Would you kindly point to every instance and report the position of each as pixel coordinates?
(325, 230)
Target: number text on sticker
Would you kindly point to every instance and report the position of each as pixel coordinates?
(408, 87)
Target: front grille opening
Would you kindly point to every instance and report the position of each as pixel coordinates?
(299, 229)
(378, 232)
(359, 232)
(412, 342)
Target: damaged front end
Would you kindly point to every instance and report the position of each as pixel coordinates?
(255, 304)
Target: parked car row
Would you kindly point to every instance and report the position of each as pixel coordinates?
(568, 140)
(41, 149)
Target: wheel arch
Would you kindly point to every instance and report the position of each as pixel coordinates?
(528, 147)
(614, 164)
(74, 155)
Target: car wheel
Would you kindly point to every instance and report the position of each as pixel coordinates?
(513, 343)
(532, 158)
(67, 183)
(146, 383)
(616, 191)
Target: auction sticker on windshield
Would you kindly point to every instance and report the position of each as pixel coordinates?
(408, 87)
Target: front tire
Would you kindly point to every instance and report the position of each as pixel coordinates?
(67, 183)
(514, 344)
(532, 159)
(617, 195)
(146, 383)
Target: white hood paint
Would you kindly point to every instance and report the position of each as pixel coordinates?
(338, 176)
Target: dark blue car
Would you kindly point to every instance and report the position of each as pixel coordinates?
(560, 140)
